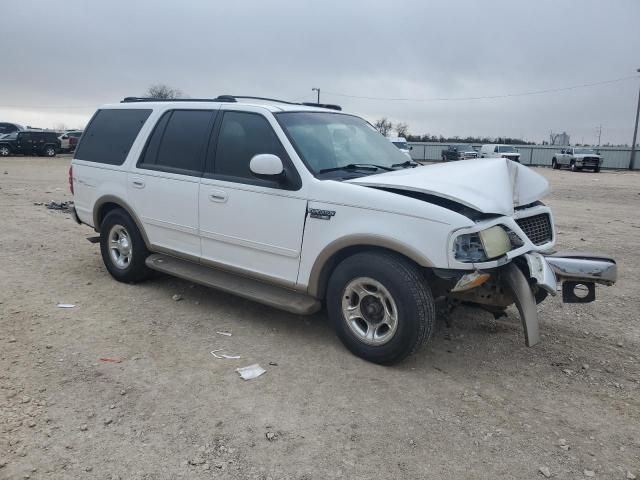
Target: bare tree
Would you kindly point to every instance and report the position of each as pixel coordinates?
(402, 129)
(383, 125)
(164, 92)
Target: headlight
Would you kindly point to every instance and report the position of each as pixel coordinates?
(482, 246)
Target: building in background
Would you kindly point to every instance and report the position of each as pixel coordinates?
(559, 138)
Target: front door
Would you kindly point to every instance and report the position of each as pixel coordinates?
(164, 185)
(248, 224)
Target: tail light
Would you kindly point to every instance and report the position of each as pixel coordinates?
(71, 179)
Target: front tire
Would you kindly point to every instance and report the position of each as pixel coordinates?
(596, 170)
(49, 151)
(380, 306)
(123, 249)
(573, 167)
(4, 151)
(554, 164)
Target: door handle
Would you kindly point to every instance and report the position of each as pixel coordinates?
(137, 184)
(218, 196)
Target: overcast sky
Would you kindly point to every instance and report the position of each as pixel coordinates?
(61, 60)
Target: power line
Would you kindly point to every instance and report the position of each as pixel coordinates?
(392, 99)
(484, 97)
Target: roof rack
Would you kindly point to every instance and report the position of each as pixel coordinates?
(230, 99)
(222, 98)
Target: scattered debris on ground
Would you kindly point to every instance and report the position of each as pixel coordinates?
(64, 206)
(251, 371)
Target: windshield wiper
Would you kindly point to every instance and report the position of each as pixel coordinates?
(357, 166)
(408, 163)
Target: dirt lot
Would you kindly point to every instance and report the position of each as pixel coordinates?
(474, 403)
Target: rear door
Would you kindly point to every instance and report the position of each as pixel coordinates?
(164, 185)
(24, 143)
(250, 224)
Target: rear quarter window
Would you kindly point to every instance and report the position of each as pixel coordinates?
(110, 134)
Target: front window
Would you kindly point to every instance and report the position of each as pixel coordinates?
(584, 151)
(328, 141)
(507, 149)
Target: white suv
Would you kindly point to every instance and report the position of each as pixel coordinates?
(297, 206)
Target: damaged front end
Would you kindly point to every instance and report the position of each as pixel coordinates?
(527, 280)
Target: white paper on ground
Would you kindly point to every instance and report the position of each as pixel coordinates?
(226, 334)
(251, 371)
(66, 305)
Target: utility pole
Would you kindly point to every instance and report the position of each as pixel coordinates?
(314, 89)
(632, 160)
(599, 135)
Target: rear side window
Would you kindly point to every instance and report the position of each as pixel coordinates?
(110, 135)
(179, 141)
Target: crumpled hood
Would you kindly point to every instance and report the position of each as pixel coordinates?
(489, 185)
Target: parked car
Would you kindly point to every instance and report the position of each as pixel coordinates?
(459, 151)
(500, 151)
(69, 140)
(298, 206)
(27, 142)
(577, 158)
(9, 128)
(401, 144)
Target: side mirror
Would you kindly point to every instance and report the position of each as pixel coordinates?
(266, 164)
(410, 147)
(64, 137)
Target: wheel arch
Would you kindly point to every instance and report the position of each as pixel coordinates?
(342, 248)
(106, 204)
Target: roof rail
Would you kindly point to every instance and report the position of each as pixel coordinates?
(330, 106)
(306, 104)
(230, 99)
(222, 98)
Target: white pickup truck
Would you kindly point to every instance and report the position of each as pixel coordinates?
(300, 206)
(577, 158)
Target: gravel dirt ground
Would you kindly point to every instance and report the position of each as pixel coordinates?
(474, 403)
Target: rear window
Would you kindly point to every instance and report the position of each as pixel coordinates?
(110, 134)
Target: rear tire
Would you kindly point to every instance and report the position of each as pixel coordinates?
(49, 151)
(380, 306)
(123, 249)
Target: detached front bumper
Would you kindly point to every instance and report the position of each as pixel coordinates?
(576, 273)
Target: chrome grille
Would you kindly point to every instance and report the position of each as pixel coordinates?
(537, 228)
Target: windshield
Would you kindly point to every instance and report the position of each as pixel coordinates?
(333, 140)
(507, 149)
(584, 151)
(463, 148)
(401, 145)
